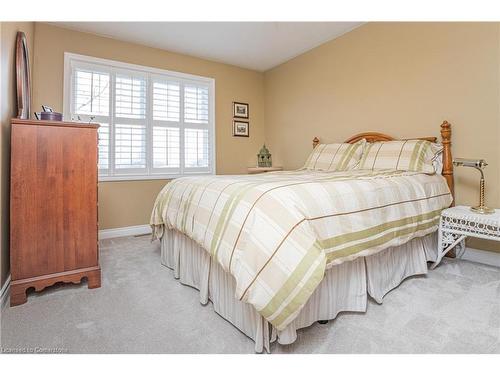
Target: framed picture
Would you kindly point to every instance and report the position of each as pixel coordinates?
(241, 128)
(240, 110)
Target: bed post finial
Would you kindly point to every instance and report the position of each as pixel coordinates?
(447, 158)
(315, 142)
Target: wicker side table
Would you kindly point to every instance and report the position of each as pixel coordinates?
(458, 223)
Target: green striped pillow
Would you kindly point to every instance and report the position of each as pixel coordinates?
(335, 156)
(410, 155)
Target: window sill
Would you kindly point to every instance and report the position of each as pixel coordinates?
(153, 177)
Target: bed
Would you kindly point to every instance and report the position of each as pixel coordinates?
(278, 252)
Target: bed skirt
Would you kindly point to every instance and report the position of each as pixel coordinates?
(345, 287)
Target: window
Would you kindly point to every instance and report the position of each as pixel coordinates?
(153, 123)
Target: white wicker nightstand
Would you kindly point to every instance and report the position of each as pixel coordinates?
(459, 222)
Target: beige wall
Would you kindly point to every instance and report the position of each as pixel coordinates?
(402, 79)
(8, 32)
(130, 203)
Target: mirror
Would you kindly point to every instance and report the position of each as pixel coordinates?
(22, 77)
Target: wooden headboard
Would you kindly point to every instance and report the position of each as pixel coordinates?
(445, 140)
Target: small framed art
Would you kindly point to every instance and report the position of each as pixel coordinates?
(240, 110)
(241, 128)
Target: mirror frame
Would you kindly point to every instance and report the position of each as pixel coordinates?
(23, 77)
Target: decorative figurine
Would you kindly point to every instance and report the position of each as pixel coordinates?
(264, 157)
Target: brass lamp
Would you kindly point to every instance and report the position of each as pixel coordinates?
(478, 164)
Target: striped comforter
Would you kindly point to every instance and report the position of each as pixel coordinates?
(276, 233)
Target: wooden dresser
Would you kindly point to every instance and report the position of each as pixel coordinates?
(53, 206)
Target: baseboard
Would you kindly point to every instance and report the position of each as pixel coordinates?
(4, 293)
(481, 256)
(134, 230)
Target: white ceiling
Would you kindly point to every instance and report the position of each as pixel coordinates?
(254, 45)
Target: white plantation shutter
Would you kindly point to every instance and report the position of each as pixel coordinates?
(166, 101)
(91, 92)
(166, 125)
(91, 102)
(181, 126)
(166, 147)
(130, 97)
(104, 149)
(196, 131)
(130, 146)
(196, 148)
(196, 104)
(154, 123)
(130, 123)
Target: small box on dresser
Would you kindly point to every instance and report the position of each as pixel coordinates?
(53, 206)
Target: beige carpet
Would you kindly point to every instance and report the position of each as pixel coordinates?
(141, 308)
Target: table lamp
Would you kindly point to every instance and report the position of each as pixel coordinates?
(478, 164)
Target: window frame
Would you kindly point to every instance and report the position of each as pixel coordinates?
(112, 67)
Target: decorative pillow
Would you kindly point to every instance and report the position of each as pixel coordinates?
(410, 155)
(335, 156)
(437, 162)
